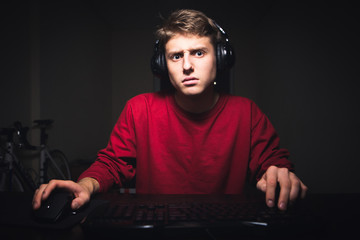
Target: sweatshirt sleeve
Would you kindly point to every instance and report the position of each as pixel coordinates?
(115, 163)
(265, 146)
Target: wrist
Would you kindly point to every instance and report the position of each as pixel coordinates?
(91, 185)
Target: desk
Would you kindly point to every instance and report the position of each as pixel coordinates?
(338, 214)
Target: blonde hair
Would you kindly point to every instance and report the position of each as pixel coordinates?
(188, 21)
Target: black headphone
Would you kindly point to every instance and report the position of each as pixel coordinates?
(225, 57)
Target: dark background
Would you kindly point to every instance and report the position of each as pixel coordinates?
(77, 62)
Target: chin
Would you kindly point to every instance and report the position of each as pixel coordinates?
(192, 91)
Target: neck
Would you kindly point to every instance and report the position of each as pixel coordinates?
(197, 103)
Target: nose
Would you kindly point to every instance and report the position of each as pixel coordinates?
(187, 65)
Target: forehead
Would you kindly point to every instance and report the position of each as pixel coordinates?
(181, 42)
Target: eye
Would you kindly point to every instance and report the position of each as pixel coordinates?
(198, 53)
(176, 56)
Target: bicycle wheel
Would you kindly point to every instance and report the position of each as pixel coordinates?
(57, 166)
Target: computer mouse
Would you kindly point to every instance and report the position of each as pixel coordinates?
(57, 205)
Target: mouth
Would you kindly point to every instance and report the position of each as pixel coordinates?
(188, 81)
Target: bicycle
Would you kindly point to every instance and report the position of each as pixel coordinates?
(53, 163)
(13, 175)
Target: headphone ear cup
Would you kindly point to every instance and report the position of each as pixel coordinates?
(158, 62)
(225, 57)
(219, 57)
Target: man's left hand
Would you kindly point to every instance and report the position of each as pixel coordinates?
(291, 187)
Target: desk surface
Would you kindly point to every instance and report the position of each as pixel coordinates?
(338, 216)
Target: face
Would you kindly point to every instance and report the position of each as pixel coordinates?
(191, 63)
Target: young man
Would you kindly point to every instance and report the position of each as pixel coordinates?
(191, 139)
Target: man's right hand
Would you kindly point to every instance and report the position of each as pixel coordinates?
(82, 191)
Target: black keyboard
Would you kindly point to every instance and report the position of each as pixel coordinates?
(188, 212)
(189, 215)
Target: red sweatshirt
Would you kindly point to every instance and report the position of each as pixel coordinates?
(179, 152)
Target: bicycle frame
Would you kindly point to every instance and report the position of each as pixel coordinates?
(14, 165)
(44, 155)
(10, 158)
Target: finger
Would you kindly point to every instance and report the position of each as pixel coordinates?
(295, 188)
(48, 189)
(80, 200)
(285, 186)
(261, 185)
(77, 203)
(37, 196)
(304, 189)
(271, 182)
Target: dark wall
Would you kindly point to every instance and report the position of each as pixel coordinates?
(307, 60)
(75, 76)
(15, 65)
(79, 61)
